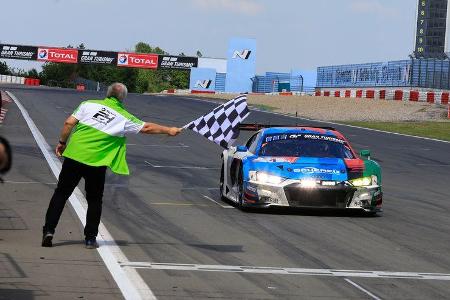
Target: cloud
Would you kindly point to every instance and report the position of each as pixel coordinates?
(246, 7)
(372, 7)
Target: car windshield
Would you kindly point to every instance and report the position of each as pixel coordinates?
(304, 145)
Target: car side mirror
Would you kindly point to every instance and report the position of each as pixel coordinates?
(365, 154)
(241, 149)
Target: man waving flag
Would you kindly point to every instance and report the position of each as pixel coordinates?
(222, 124)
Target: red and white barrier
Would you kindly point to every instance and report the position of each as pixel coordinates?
(438, 97)
(19, 80)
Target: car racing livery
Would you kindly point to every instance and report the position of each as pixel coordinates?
(310, 167)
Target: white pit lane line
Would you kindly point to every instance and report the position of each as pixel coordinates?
(129, 281)
(288, 271)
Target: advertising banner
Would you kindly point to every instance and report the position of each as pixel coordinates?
(177, 62)
(203, 79)
(68, 56)
(135, 60)
(18, 52)
(241, 65)
(97, 57)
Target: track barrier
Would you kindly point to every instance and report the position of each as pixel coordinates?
(433, 97)
(19, 80)
(81, 87)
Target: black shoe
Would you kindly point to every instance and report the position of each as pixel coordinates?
(91, 243)
(47, 239)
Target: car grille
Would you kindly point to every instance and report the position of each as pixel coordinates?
(326, 197)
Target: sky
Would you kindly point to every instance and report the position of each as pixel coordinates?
(290, 34)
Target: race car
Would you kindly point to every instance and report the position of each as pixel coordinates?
(300, 166)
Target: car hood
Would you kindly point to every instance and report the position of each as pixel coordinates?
(302, 167)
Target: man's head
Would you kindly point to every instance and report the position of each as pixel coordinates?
(117, 90)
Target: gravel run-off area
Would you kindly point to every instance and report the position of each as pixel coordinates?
(345, 109)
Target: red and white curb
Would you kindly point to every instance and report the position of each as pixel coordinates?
(5, 99)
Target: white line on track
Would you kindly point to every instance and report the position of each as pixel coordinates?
(433, 165)
(328, 122)
(181, 145)
(29, 182)
(288, 271)
(180, 167)
(199, 188)
(130, 282)
(211, 199)
(362, 289)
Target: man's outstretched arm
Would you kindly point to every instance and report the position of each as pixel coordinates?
(64, 136)
(153, 128)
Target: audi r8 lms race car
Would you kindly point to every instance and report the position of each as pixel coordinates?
(306, 167)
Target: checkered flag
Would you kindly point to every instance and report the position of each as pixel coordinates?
(222, 124)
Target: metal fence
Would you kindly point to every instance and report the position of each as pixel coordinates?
(279, 82)
(420, 73)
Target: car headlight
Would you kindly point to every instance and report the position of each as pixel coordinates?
(308, 183)
(365, 181)
(263, 177)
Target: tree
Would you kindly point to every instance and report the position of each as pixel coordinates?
(155, 81)
(33, 73)
(55, 74)
(4, 69)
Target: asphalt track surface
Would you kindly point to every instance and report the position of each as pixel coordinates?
(169, 212)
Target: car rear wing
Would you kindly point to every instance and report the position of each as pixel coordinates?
(257, 127)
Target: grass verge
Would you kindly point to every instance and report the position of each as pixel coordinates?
(435, 130)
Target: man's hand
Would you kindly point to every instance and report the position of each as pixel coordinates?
(60, 149)
(65, 132)
(173, 131)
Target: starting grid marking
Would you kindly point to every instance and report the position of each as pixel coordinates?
(287, 271)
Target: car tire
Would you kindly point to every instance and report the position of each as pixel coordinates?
(222, 181)
(240, 184)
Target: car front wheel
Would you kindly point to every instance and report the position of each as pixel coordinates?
(240, 183)
(222, 182)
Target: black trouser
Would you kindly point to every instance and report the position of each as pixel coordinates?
(71, 173)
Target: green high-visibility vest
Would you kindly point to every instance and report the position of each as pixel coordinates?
(99, 138)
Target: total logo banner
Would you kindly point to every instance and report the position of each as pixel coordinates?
(134, 60)
(69, 56)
